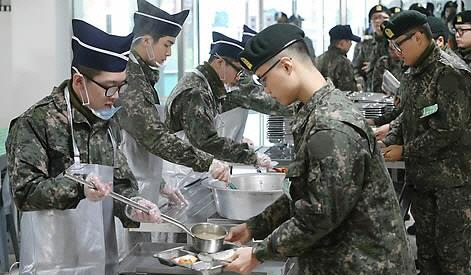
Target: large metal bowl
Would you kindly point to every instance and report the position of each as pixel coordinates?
(253, 194)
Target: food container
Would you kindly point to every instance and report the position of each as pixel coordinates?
(253, 194)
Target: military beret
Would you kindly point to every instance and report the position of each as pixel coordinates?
(462, 17)
(418, 7)
(378, 8)
(340, 32)
(437, 27)
(268, 43)
(395, 10)
(402, 22)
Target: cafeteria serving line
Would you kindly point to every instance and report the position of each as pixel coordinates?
(250, 137)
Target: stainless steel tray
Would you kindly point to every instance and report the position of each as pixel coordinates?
(168, 257)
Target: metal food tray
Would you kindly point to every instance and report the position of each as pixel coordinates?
(167, 257)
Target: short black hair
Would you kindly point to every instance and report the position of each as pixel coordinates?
(425, 29)
(147, 29)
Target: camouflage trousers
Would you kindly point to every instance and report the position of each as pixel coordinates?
(443, 221)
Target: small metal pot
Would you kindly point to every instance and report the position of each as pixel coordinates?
(198, 241)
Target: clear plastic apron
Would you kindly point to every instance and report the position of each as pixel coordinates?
(73, 241)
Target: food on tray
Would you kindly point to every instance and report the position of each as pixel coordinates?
(226, 255)
(281, 169)
(186, 260)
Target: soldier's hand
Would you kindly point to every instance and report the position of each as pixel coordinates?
(393, 152)
(382, 132)
(249, 142)
(220, 170)
(239, 234)
(370, 121)
(366, 66)
(99, 191)
(244, 263)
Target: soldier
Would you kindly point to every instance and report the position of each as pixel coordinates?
(435, 129)
(366, 55)
(74, 126)
(339, 214)
(334, 63)
(146, 139)
(196, 103)
(440, 35)
(462, 28)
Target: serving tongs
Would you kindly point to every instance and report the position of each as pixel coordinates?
(129, 202)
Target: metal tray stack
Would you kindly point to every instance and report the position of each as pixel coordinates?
(279, 130)
(372, 105)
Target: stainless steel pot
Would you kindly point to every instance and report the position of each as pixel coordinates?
(200, 241)
(253, 194)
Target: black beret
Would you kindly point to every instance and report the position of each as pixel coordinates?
(402, 22)
(395, 10)
(462, 17)
(418, 7)
(437, 27)
(378, 8)
(268, 43)
(150, 18)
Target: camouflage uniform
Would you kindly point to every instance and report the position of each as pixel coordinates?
(464, 54)
(343, 217)
(385, 63)
(437, 152)
(379, 49)
(193, 107)
(335, 65)
(141, 120)
(39, 147)
(360, 55)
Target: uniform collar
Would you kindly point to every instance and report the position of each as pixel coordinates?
(431, 53)
(217, 86)
(465, 54)
(80, 113)
(304, 112)
(143, 71)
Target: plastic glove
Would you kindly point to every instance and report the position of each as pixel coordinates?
(139, 216)
(382, 132)
(220, 170)
(263, 160)
(100, 190)
(249, 143)
(174, 196)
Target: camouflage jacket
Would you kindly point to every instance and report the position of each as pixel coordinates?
(39, 149)
(465, 55)
(379, 49)
(336, 66)
(140, 118)
(193, 108)
(361, 54)
(343, 216)
(435, 125)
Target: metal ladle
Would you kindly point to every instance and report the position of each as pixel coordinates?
(131, 203)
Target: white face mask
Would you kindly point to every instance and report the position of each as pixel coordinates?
(151, 56)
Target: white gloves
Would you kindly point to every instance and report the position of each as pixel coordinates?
(174, 196)
(220, 170)
(249, 143)
(263, 160)
(139, 216)
(100, 191)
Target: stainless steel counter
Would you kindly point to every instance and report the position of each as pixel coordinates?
(141, 261)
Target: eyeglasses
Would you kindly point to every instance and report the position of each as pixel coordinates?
(110, 91)
(261, 80)
(236, 68)
(460, 31)
(397, 45)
